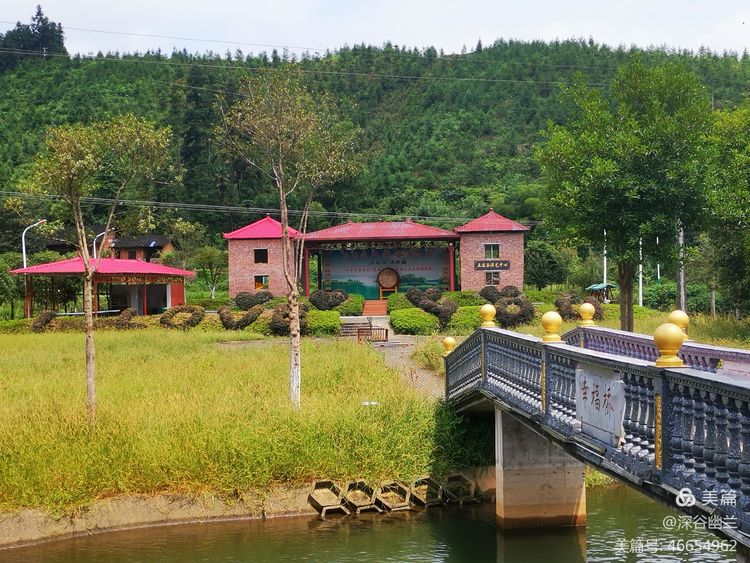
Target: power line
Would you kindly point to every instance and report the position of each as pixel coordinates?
(244, 210)
(244, 67)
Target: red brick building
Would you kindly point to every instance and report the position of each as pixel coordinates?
(255, 262)
(358, 257)
(491, 252)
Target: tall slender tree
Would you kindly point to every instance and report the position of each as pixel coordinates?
(634, 165)
(294, 138)
(103, 158)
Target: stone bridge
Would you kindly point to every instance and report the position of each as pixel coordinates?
(666, 416)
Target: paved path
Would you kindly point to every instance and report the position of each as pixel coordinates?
(397, 355)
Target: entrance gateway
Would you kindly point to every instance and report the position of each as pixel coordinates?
(378, 258)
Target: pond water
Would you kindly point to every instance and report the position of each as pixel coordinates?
(616, 517)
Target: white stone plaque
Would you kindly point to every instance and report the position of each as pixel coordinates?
(600, 403)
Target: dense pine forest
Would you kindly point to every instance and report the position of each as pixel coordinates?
(443, 134)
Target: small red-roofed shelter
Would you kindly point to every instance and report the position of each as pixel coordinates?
(147, 287)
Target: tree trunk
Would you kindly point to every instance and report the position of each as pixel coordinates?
(295, 360)
(713, 303)
(12, 308)
(625, 272)
(213, 291)
(88, 315)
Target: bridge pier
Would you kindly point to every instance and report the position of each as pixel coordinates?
(537, 483)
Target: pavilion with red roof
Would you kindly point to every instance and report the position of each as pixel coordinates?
(375, 258)
(147, 287)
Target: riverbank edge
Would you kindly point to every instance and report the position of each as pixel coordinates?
(32, 525)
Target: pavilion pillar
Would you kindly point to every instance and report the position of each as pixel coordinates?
(31, 297)
(306, 269)
(320, 269)
(145, 303)
(26, 314)
(451, 267)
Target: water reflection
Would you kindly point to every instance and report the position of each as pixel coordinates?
(447, 535)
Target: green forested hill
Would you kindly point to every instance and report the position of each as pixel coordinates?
(445, 135)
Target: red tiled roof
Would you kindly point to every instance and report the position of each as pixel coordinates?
(107, 266)
(262, 229)
(383, 230)
(490, 222)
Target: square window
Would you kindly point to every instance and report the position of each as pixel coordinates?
(131, 254)
(261, 282)
(492, 278)
(261, 255)
(491, 251)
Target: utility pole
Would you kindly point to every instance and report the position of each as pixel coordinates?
(605, 259)
(640, 272)
(682, 297)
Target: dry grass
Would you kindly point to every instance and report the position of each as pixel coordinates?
(177, 413)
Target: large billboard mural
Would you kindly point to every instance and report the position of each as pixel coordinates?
(356, 271)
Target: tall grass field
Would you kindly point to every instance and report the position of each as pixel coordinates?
(180, 413)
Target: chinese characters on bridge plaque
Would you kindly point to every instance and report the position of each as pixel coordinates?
(600, 403)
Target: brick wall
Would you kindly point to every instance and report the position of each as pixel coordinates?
(472, 248)
(243, 269)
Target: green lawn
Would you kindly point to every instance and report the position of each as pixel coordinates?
(178, 413)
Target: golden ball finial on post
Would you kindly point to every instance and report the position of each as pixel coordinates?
(680, 318)
(587, 312)
(668, 338)
(488, 312)
(551, 321)
(449, 343)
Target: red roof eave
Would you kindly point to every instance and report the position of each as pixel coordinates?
(106, 267)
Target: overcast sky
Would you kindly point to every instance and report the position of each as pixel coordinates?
(719, 25)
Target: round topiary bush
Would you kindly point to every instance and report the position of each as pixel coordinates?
(40, 323)
(245, 301)
(279, 324)
(445, 311)
(433, 293)
(509, 291)
(228, 321)
(415, 296)
(327, 300)
(196, 316)
(514, 311)
(124, 320)
(564, 305)
(489, 293)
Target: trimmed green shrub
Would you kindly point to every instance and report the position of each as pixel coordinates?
(490, 293)
(41, 322)
(124, 321)
(275, 302)
(414, 321)
(352, 307)
(323, 323)
(246, 301)
(211, 304)
(196, 316)
(262, 324)
(14, 326)
(547, 295)
(326, 300)
(464, 321)
(398, 301)
(514, 311)
(464, 298)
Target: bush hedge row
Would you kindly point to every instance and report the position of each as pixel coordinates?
(414, 321)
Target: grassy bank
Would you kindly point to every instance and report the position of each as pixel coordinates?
(178, 413)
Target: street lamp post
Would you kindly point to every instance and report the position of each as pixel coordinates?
(96, 238)
(27, 306)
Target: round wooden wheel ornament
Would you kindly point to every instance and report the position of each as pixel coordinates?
(388, 278)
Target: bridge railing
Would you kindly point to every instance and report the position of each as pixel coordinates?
(662, 428)
(703, 357)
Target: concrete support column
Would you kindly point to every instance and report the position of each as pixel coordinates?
(538, 485)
